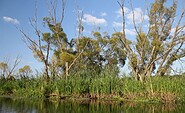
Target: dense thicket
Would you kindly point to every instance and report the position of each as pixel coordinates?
(105, 86)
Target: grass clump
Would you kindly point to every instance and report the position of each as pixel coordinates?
(105, 85)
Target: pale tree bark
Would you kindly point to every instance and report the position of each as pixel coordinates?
(39, 48)
(79, 36)
(163, 49)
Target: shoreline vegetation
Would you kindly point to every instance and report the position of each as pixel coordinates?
(87, 67)
(103, 87)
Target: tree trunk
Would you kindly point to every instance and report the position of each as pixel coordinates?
(46, 71)
(142, 77)
(136, 75)
(67, 70)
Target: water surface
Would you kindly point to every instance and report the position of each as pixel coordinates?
(11, 105)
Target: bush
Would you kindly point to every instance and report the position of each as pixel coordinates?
(49, 89)
(9, 87)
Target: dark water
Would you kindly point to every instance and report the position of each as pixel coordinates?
(9, 105)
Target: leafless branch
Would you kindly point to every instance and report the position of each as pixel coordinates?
(63, 10)
(12, 69)
(78, 56)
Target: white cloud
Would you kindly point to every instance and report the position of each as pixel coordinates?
(130, 32)
(117, 24)
(139, 16)
(77, 29)
(103, 14)
(127, 31)
(173, 30)
(10, 20)
(119, 12)
(89, 19)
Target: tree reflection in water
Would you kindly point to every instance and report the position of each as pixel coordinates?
(11, 105)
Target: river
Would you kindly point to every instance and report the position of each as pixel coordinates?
(12, 105)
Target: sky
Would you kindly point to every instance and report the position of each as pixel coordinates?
(103, 15)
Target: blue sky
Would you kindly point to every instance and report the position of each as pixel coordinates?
(97, 13)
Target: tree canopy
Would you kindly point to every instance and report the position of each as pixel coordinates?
(152, 51)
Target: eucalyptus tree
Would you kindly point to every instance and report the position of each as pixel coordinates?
(25, 71)
(8, 70)
(3, 68)
(46, 42)
(99, 51)
(155, 50)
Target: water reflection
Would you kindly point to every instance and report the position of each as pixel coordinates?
(9, 105)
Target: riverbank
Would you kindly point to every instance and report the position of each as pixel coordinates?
(168, 89)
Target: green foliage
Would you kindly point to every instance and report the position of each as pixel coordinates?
(46, 37)
(3, 65)
(93, 61)
(42, 106)
(25, 71)
(3, 69)
(158, 46)
(105, 85)
(99, 51)
(9, 87)
(65, 57)
(49, 89)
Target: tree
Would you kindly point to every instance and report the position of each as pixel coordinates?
(157, 49)
(25, 71)
(7, 70)
(3, 68)
(47, 41)
(99, 51)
